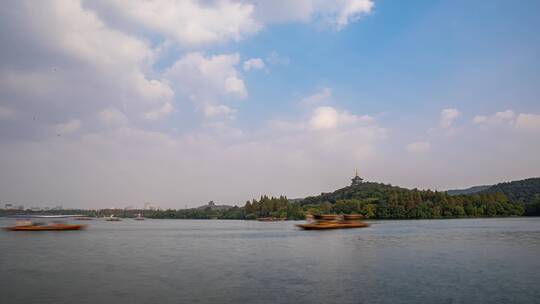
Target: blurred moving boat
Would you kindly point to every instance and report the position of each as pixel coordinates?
(334, 221)
(27, 225)
(112, 218)
(139, 217)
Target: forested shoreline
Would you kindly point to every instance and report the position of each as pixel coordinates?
(373, 200)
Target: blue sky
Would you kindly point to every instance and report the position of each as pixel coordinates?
(402, 59)
(149, 101)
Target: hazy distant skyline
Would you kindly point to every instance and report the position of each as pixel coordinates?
(117, 103)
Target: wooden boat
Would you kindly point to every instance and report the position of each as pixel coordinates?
(352, 217)
(325, 217)
(51, 227)
(334, 221)
(336, 225)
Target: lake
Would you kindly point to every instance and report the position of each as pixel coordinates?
(214, 261)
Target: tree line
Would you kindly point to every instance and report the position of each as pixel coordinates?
(373, 200)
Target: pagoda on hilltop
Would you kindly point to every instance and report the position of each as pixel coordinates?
(356, 180)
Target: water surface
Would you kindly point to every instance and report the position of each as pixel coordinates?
(211, 261)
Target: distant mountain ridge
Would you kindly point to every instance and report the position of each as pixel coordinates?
(470, 190)
(526, 191)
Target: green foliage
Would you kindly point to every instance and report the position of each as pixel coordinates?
(381, 201)
(526, 192)
(278, 207)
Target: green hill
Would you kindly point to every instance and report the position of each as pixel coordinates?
(375, 200)
(365, 191)
(526, 191)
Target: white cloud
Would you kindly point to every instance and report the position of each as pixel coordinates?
(497, 119)
(253, 63)
(207, 81)
(187, 22)
(325, 117)
(528, 122)
(352, 10)
(335, 13)
(159, 112)
(79, 65)
(210, 110)
(197, 75)
(505, 116)
(447, 117)
(418, 147)
(522, 122)
(80, 57)
(235, 85)
(479, 119)
(318, 97)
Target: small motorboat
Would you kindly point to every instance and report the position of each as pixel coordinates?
(139, 217)
(27, 225)
(112, 218)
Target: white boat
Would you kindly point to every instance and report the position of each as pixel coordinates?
(112, 218)
(139, 217)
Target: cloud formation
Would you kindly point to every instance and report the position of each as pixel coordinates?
(208, 81)
(253, 63)
(334, 13)
(526, 122)
(131, 101)
(81, 68)
(447, 117)
(186, 22)
(323, 95)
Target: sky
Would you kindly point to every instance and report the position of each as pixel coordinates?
(116, 103)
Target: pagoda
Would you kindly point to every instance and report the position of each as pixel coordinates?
(356, 180)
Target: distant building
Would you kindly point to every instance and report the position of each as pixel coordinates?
(9, 206)
(356, 180)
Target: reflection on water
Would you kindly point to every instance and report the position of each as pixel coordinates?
(180, 261)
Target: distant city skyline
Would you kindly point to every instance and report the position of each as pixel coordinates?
(184, 102)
